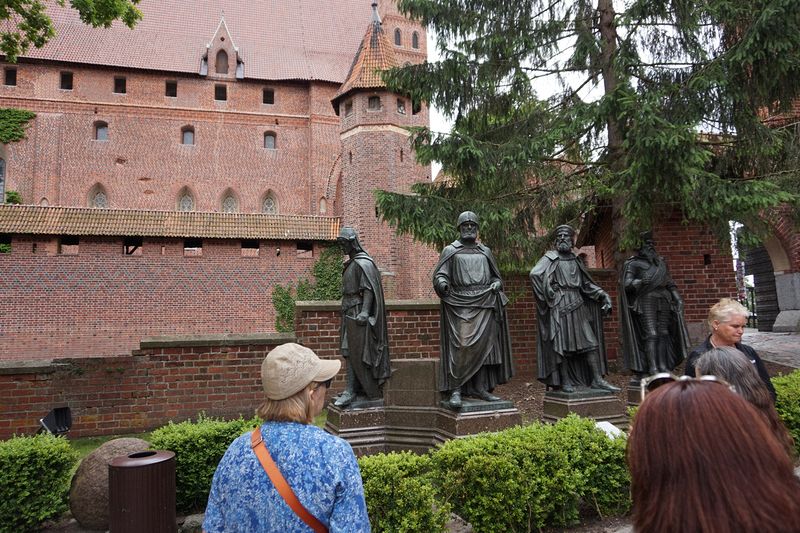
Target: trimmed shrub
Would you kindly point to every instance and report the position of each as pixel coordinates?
(536, 476)
(199, 447)
(400, 494)
(788, 404)
(34, 480)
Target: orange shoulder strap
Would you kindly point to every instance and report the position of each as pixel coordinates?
(260, 449)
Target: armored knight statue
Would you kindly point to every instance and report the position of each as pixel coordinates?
(654, 334)
(475, 342)
(569, 305)
(363, 336)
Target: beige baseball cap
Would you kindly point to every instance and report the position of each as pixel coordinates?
(289, 368)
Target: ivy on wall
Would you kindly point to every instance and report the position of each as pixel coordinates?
(13, 123)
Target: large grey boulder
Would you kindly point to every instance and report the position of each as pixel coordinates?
(88, 495)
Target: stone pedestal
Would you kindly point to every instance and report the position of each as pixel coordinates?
(787, 288)
(588, 403)
(634, 391)
(414, 417)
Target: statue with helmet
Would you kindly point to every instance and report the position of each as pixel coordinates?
(475, 341)
(569, 308)
(364, 339)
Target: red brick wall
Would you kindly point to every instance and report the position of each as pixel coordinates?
(101, 302)
(785, 230)
(126, 394)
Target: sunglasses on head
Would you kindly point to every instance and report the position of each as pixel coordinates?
(327, 384)
(649, 384)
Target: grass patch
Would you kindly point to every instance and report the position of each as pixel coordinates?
(86, 445)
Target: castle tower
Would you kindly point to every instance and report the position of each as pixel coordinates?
(376, 154)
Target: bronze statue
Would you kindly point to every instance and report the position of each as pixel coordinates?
(654, 335)
(570, 345)
(363, 336)
(475, 343)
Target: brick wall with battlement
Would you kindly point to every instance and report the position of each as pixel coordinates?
(100, 302)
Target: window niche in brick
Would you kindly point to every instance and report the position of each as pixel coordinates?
(416, 107)
(250, 248)
(268, 96)
(270, 140)
(5, 243)
(120, 85)
(269, 204)
(185, 200)
(398, 37)
(192, 247)
(66, 79)
(415, 40)
(348, 107)
(171, 88)
(187, 135)
(220, 92)
(68, 245)
(229, 203)
(305, 249)
(100, 131)
(401, 106)
(98, 198)
(132, 246)
(374, 103)
(10, 76)
(222, 62)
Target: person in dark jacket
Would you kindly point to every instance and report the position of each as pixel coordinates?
(727, 319)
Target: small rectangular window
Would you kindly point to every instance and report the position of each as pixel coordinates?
(416, 107)
(220, 92)
(192, 247)
(120, 85)
(374, 103)
(171, 89)
(269, 96)
(401, 106)
(66, 81)
(68, 245)
(11, 76)
(250, 248)
(348, 108)
(305, 249)
(132, 246)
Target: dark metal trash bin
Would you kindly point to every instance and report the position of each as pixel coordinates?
(141, 493)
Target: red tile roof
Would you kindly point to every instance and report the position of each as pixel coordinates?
(277, 40)
(374, 55)
(32, 219)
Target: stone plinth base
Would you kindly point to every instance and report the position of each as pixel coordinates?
(634, 392)
(416, 429)
(597, 404)
(414, 416)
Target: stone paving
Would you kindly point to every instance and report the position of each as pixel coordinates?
(783, 348)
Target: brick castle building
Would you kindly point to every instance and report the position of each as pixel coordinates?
(174, 173)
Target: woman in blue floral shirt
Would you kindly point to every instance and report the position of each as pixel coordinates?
(320, 468)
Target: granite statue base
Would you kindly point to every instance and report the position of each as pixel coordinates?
(599, 405)
(413, 416)
(634, 392)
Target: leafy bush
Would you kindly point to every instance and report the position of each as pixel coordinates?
(400, 494)
(199, 447)
(13, 197)
(788, 404)
(34, 480)
(327, 271)
(530, 477)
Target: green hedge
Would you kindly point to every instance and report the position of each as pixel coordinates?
(788, 404)
(530, 477)
(400, 494)
(199, 447)
(34, 480)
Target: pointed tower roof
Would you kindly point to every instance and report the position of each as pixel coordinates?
(375, 54)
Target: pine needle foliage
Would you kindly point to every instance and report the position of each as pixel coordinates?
(561, 107)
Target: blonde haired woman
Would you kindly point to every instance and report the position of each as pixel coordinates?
(320, 469)
(727, 320)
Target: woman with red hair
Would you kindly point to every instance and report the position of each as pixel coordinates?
(702, 459)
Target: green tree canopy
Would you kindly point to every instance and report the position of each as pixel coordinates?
(564, 106)
(27, 22)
